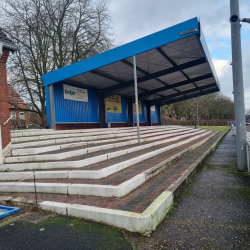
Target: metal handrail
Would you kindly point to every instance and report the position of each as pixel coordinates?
(7, 120)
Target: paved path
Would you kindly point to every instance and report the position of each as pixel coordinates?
(214, 212)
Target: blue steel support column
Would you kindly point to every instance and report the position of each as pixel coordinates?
(159, 114)
(130, 112)
(102, 109)
(148, 113)
(239, 104)
(52, 107)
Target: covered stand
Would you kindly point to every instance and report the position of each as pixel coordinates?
(171, 65)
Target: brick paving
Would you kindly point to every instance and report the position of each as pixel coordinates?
(122, 176)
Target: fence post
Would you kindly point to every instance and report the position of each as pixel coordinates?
(35, 185)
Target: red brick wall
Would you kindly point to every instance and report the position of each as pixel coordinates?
(4, 99)
(118, 125)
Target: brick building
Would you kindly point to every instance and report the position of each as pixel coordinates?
(17, 107)
(6, 45)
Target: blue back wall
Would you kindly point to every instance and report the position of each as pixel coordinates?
(154, 115)
(67, 111)
(119, 117)
(143, 115)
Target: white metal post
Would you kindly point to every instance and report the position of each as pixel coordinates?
(197, 113)
(136, 100)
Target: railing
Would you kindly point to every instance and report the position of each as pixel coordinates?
(248, 155)
(1, 145)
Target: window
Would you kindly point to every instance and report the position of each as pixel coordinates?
(13, 115)
(21, 115)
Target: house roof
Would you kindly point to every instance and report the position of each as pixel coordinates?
(15, 100)
(7, 42)
(172, 65)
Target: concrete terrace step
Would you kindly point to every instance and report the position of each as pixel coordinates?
(107, 170)
(104, 190)
(46, 140)
(25, 148)
(50, 132)
(67, 150)
(97, 158)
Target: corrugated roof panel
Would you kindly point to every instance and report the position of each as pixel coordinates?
(194, 93)
(173, 78)
(129, 91)
(151, 61)
(95, 80)
(209, 89)
(151, 84)
(198, 70)
(167, 92)
(120, 70)
(152, 97)
(205, 82)
(186, 87)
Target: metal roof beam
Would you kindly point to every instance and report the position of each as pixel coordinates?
(160, 100)
(188, 97)
(119, 87)
(173, 63)
(154, 91)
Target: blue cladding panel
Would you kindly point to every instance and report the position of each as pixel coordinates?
(133, 48)
(143, 115)
(75, 111)
(47, 105)
(119, 117)
(154, 115)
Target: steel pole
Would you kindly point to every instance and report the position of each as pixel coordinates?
(197, 112)
(136, 100)
(239, 104)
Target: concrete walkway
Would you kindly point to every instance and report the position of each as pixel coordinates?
(214, 212)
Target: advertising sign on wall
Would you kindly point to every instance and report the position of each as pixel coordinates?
(139, 107)
(152, 108)
(114, 104)
(75, 94)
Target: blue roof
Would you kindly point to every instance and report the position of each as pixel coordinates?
(174, 55)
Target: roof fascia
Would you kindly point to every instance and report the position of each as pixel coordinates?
(203, 44)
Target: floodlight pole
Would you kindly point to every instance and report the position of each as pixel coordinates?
(239, 104)
(136, 101)
(197, 112)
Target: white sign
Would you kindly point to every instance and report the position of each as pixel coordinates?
(75, 94)
(153, 108)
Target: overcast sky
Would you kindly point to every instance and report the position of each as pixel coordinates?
(132, 19)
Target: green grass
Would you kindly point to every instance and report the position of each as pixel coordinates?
(216, 128)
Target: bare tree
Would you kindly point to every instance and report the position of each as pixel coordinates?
(51, 34)
(212, 106)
